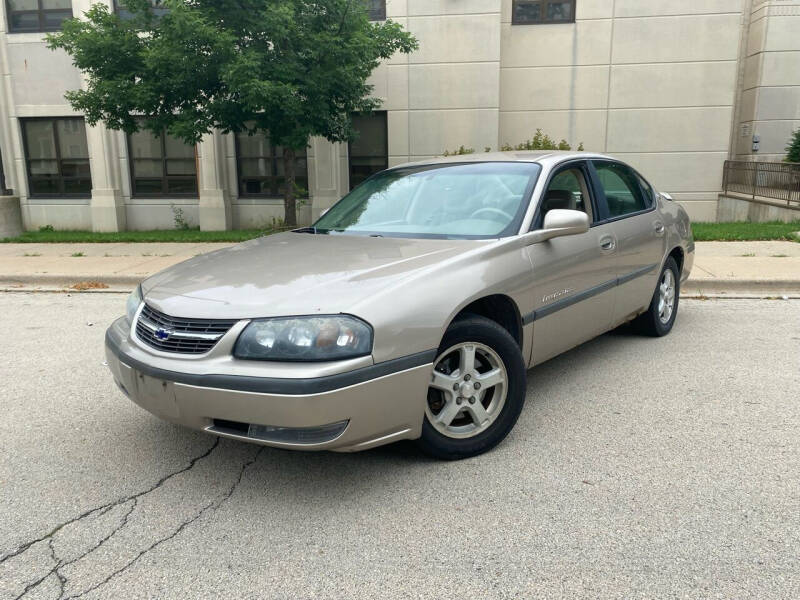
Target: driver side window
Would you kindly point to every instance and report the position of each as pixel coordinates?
(567, 190)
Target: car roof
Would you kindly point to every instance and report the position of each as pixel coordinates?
(543, 157)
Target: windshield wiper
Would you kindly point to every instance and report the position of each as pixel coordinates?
(312, 230)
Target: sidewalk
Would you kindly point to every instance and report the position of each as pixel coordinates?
(758, 268)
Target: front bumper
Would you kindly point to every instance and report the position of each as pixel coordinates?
(380, 404)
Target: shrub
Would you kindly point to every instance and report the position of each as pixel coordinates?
(179, 218)
(541, 141)
(793, 149)
(461, 150)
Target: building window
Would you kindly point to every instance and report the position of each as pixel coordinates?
(376, 9)
(56, 158)
(125, 14)
(161, 165)
(37, 15)
(536, 12)
(261, 169)
(370, 152)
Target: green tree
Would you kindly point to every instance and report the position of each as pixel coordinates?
(793, 149)
(289, 68)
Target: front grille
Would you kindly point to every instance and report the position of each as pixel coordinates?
(174, 334)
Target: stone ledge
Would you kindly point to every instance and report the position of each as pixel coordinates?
(10, 217)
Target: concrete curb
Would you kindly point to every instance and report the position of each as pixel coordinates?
(757, 288)
(68, 280)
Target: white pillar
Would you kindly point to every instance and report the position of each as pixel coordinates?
(108, 203)
(328, 174)
(215, 198)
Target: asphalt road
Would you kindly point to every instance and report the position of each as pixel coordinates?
(639, 468)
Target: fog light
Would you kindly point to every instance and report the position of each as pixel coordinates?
(297, 435)
(283, 435)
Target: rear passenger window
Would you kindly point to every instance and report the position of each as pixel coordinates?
(624, 196)
(649, 193)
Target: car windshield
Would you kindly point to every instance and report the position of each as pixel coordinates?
(469, 201)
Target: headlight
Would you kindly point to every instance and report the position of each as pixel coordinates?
(305, 339)
(133, 302)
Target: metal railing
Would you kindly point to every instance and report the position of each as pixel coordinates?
(774, 180)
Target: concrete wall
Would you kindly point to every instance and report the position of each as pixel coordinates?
(770, 101)
(447, 93)
(651, 82)
(732, 208)
(10, 217)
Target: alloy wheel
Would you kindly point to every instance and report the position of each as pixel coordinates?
(666, 296)
(467, 391)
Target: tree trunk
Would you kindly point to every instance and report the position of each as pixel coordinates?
(289, 204)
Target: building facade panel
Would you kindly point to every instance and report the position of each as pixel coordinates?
(446, 86)
(669, 130)
(780, 67)
(77, 216)
(32, 67)
(554, 88)
(690, 39)
(582, 43)
(778, 103)
(444, 39)
(673, 85)
(784, 32)
(654, 8)
(397, 122)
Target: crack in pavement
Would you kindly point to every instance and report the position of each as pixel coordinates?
(97, 511)
(101, 510)
(60, 564)
(210, 507)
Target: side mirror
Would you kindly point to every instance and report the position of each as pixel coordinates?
(666, 196)
(560, 222)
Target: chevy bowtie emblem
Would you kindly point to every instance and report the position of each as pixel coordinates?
(162, 334)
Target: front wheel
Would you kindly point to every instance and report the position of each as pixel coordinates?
(660, 315)
(476, 392)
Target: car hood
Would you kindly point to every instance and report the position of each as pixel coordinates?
(293, 274)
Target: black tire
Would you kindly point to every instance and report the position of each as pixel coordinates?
(649, 322)
(488, 333)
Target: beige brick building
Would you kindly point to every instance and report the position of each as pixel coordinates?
(673, 87)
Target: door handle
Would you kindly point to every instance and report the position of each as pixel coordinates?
(659, 227)
(608, 243)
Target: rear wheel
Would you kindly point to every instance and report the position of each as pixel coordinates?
(663, 309)
(476, 392)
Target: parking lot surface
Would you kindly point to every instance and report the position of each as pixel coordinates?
(639, 468)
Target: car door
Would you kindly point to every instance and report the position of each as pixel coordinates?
(630, 207)
(574, 276)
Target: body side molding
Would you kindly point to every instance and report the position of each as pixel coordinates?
(549, 309)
